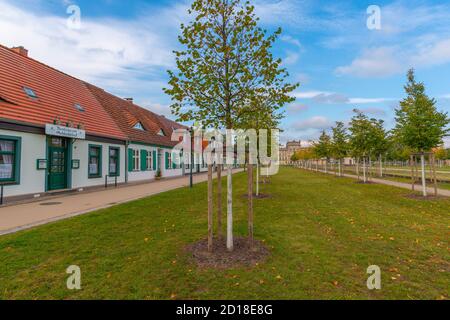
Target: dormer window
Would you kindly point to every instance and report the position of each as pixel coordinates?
(161, 133)
(139, 126)
(79, 107)
(30, 92)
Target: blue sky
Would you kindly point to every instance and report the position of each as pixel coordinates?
(126, 48)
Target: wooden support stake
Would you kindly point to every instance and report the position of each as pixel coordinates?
(219, 200)
(250, 204)
(210, 208)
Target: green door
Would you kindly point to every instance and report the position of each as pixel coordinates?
(57, 164)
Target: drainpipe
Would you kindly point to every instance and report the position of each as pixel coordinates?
(127, 143)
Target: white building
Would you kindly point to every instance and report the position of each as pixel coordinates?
(58, 133)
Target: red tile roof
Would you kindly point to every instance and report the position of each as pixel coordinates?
(57, 94)
(127, 114)
(104, 114)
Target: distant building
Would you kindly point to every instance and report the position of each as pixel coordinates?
(288, 151)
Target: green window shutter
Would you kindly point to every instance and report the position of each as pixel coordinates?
(130, 160)
(143, 160)
(154, 160)
(167, 160)
(174, 165)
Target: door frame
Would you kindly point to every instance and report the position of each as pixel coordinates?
(68, 163)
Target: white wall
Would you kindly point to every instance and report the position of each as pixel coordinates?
(139, 175)
(31, 180)
(80, 151)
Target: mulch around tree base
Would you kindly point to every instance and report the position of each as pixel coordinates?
(417, 196)
(260, 196)
(367, 182)
(242, 256)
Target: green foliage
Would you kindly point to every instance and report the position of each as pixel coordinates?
(226, 72)
(419, 125)
(323, 147)
(339, 145)
(368, 136)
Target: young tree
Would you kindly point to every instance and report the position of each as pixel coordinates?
(360, 138)
(323, 148)
(225, 64)
(419, 125)
(380, 142)
(339, 145)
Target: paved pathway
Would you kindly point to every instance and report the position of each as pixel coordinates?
(441, 192)
(23, 216)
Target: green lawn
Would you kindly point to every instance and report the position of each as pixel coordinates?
(323, 232)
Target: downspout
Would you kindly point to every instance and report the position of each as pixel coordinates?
(127, 143)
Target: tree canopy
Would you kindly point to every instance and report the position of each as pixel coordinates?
(419, 125)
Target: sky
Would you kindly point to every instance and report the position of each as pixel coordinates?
(341, 64)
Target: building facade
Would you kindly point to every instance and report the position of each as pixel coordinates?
(286, 152)
(59, 133)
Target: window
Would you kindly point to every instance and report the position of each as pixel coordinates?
(149, 161)
(169, 160)
(79, 107)
(161, 133)
(114, 162)
(138, 126)
(9, 159)
(95, 161)
(135, 160)
(30, 92)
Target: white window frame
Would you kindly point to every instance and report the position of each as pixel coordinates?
(169, 160)
(136, 159)
(149, 160)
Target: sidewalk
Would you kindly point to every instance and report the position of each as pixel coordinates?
(28, 215)
(430, 190)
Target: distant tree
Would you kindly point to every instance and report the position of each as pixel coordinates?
(361, 140)
(323, 148)
(419, 125)
(339, 145)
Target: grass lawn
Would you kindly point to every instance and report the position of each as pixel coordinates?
(323, 232)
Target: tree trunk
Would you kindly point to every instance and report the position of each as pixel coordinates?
(219, 200)
(357, 167)
(257, 179)
(229, 207)
(424, 183)
(340, 172)
(250, 203)
(210, 208)
(364, 170)
(381, 166)
(326, 166)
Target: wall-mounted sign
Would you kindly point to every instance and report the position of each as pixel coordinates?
(41, 164)
(75, 164)
(67, 132)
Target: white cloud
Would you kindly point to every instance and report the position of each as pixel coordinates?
(291, 58)
(436, 53)
(326, 97)
(296, 108)
(114, 54)
(374, 62)
(317, 122)
(292, 40)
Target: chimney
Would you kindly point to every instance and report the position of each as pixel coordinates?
(20, 50)
(128, 99)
